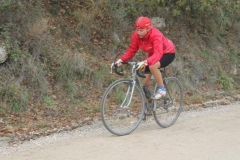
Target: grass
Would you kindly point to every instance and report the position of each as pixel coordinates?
(70, 67)
(41, 124)
(101, 77)
(194, 99)
(90, 109)
(47, 100)
(225, 81)
(70, 87)
(96, 109)
(208, 55)
(14, 98)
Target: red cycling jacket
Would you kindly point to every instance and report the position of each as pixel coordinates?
(154, 43)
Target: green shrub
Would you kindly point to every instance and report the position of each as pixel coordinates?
(197, 13)
(225, 81)
(70, 67)
(14, 98)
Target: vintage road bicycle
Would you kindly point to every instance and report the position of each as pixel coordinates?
(124, 104)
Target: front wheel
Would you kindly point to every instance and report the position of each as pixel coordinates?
(169, 107)
(122, 107)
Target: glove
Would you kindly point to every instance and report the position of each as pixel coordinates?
(141, 65)
(118, 62)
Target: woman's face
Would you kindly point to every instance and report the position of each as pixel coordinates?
(142, 32)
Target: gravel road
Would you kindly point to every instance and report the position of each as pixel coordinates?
(207, 134)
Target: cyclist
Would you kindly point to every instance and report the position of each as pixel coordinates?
(161, 52)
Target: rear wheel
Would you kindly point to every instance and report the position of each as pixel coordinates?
(169, 107)
(122, 107)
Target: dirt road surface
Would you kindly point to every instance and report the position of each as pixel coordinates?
(209, 134)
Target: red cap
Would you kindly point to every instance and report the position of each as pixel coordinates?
(143, 22)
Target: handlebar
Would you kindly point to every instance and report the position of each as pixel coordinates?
(131, 63)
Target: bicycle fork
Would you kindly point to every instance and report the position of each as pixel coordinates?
(126, 102)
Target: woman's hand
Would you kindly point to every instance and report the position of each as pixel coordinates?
(141, 65)
(118, 62)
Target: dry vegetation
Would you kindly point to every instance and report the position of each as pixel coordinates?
(60, 52)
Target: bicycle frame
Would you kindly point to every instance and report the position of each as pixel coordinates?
(135, 73)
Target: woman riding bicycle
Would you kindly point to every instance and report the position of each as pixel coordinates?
(161, 52)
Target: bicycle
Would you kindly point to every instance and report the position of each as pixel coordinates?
(124, 104)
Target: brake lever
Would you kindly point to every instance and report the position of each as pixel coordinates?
(112, 65)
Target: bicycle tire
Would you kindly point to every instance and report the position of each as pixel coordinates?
(122, 119)
(168, 108)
